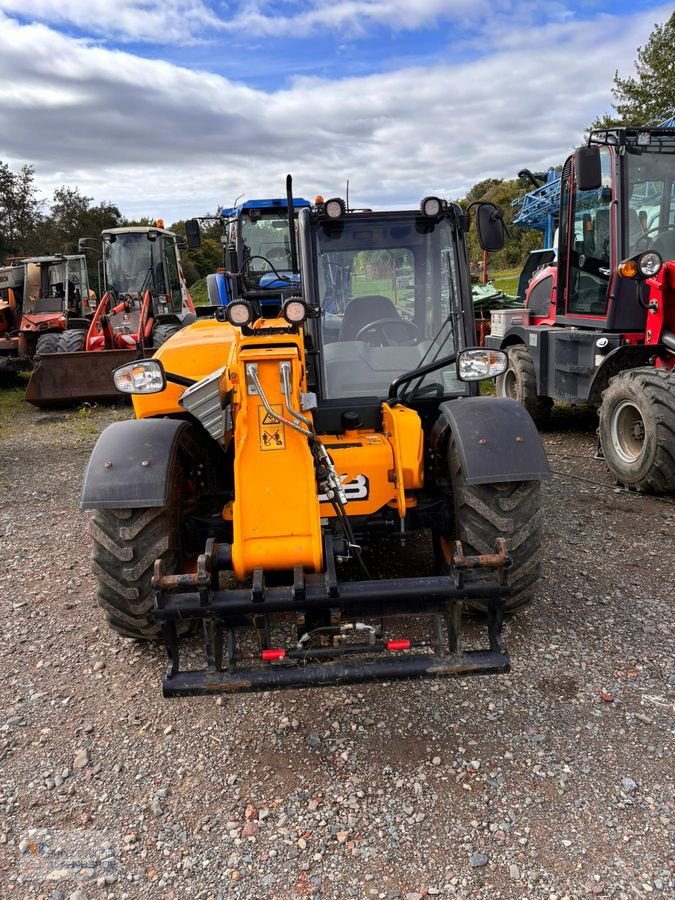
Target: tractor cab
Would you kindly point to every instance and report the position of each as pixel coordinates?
(624, 210)
(259, 249)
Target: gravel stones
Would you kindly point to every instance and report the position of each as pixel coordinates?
(81, 759)
(374, 791)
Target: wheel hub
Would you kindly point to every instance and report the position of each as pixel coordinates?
(510, 385)
(628, 431)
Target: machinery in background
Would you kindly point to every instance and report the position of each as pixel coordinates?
(145, 301)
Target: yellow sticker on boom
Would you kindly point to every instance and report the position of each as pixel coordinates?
(272, 433)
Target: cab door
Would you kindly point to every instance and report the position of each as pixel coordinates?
(587, 252)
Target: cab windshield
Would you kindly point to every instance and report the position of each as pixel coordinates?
(266, 242)
(651, 202)
(133, 264)
(389, 293)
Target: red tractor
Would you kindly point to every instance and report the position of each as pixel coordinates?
(40, 297)
(599, 322)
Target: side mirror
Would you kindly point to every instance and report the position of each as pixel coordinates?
(181, 243)
(490, 227)
(194, 238)
(587, 168)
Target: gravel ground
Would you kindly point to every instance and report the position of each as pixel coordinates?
(555, 781)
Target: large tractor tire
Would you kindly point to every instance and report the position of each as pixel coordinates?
(126, 544)
(72, 341)
(162, 333)
(510, 510)
(637, 429)
(519, 383)
(47, 343)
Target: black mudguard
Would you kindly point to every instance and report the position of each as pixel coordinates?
(496, 438)
(131, 464)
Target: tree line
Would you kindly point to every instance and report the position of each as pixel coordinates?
(31, 226)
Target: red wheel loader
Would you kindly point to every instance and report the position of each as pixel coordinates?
(145, 301)
(599, 322)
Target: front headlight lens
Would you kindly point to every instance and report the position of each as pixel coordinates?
(294, 311)
(143, 376)
(431, 206)
(480, 363)
(650, 264)
(334, 208)
(239, 313)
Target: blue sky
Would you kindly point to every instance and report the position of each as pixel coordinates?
(174, 107)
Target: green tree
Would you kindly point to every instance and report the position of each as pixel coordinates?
(205, 259)
(72, 216)
(20, 211)
(647, 98)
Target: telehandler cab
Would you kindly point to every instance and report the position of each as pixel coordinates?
(269, 454)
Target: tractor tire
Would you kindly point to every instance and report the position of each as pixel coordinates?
(637, 429)
(126, 544)
(519, 383)
(511, 510)
(47, 343)
(72, 341)
(162, 333)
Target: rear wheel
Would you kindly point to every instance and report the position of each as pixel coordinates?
(72, 341)
(510, 510)
(637, 429)
(126, 544)
(47, 343)
(519, 383)
(162, 333)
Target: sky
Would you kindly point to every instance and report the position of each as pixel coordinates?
(174, 108)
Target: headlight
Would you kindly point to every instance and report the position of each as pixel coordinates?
(143, 376)
(649, 263)
(644, 265)
(334, 208)
(477, 364)
(239, 313)
(294, 311)
(431, 206)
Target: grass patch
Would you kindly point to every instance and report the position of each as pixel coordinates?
(199, 293)
(506, 281)
(11, 400)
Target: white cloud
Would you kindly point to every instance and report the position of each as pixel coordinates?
(156, 21)
(161, 140)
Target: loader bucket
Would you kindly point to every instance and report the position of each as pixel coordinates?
(63, 379)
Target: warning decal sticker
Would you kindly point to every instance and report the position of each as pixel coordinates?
(272, 433)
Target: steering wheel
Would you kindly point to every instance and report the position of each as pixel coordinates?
(434, 387)
(660, 229)
(375, 333)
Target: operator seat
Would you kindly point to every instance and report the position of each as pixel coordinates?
(361, 311)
